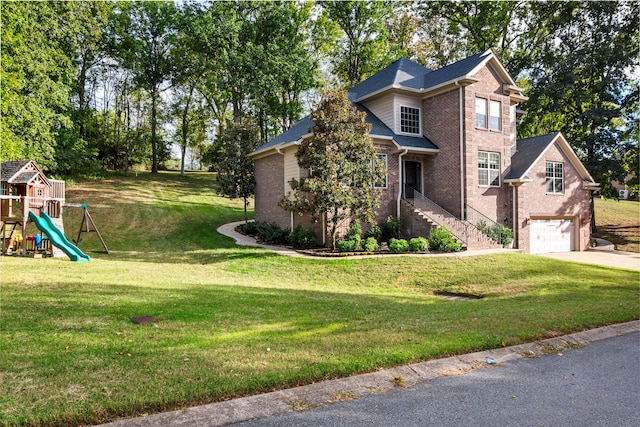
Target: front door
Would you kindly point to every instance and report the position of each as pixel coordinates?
(412, 178)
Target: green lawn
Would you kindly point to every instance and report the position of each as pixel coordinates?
(237, 321)
(619, 222)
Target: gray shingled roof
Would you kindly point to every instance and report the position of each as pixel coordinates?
(305, 125)
(527, 151)
(407, 74)
(402, 73)
(11, 167)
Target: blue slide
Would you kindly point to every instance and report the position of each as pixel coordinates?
(57, 238)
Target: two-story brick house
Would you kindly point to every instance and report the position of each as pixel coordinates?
(448, 139)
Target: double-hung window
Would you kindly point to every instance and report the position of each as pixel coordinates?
(495, 115)
(555, 178)
(382, 183)
(489, 169)
(481, 113)
(410, 120)
(488, 114)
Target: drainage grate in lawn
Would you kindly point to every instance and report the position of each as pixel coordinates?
(457, 295)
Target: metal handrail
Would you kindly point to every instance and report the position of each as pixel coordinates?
(474, 217)
(460, 229)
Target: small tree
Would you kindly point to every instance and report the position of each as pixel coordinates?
(235, 169)
(343, 166)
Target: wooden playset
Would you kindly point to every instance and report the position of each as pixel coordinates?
(28, 196)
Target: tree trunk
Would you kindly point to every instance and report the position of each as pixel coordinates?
(154, 142)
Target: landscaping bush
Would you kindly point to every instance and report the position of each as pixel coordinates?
(398, 246)
(352, 241)
(303, 238)
(250, 228)
(497, 232)
(270, 232)
(390, 229)
(375, 232)
(347, 246)
(370, 244)
(418, 244)
(441, 239)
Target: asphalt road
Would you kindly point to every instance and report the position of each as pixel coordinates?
(598, 385)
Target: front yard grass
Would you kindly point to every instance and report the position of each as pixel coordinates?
(618, 221)
(236, 321)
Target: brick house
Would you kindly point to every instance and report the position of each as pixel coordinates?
(448, 139)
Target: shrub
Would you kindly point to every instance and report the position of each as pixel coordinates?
(370, 244)
(497, 232)
(250, 228)
(418, 244)
(303, 238)
(375, 232)
(273, 233)
(352, 241)
(390, 229)
(441, 239)
(346, 245)
(398, 246)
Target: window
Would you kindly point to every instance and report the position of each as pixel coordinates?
(481, 113)
(495, 115)
(410, 120)
(383, 183)
(39, 192)
(489, 169)
(555, 181)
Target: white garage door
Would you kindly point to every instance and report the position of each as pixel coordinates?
(551, 235)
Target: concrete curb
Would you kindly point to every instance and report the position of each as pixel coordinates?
(326, 392)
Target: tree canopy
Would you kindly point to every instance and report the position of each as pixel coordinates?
(343, 166)
(91, 84)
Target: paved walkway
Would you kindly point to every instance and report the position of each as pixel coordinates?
(604, 254)
(327, 392)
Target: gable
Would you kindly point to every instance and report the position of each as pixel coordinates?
(22, 172)
(530, 151)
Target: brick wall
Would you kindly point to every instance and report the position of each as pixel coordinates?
(441, 124)
(269, 174)
(493, 202)
(534, 202)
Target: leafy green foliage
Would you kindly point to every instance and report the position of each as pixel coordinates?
(498, 232)
(418, 244)
(344, 166)
(267, 232)
(376, 232)
(441, 239)
(370, 244)
(235, 169)
(397, 246)
(390, 228)
(303, 238)
(352, 241)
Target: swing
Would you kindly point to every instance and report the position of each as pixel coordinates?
(86, 224)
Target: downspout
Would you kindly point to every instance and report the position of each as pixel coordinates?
(279, 151)
(513, 215)
(462, 195)
(400, 172)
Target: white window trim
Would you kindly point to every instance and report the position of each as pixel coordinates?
(553, 193)
(486, 113)
(385, 159)
(400, 132)
(488, 169)
(489, 116)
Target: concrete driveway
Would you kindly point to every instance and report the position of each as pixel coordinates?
(608, 258)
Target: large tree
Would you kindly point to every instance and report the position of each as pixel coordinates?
(343, 163)
(235, 168)
(144, 35)
(362, 46)
(582, 84)
(37, 74)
